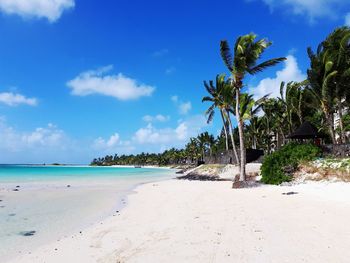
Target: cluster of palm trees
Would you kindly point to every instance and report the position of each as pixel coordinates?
(227, 96)
(265, 123)
(321, 98)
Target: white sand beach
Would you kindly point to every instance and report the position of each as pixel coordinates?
(192, 221)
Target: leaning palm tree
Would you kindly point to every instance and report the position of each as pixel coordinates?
(247, 51)
(218, 98)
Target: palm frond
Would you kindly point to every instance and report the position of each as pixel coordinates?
(206, 98)
(282, 89)
(209, 88)
(210, 116)
(265, 65)
(226, 54)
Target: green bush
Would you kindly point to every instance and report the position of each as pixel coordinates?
(279, 166)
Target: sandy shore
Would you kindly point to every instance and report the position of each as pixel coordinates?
(183, 221)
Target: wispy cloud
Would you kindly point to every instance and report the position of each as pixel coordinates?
(170, 70)
(347, 19)
(157, 118)
(183, 107)
(290, 72)
(49, 9)
(161, 52)
(171, 136)
(117, 86)
(312, 9)
(15, 99)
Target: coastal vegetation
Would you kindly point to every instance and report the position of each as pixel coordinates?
(279, 166)
(322, 99)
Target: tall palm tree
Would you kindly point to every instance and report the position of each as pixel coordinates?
(337, 54)
(321, 77)
(218, 98)
(247, 51)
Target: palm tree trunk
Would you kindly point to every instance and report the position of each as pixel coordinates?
(283, 136)
(225, 129)
(232, 139)
(330, 121)
(341, 124)
(242, 176)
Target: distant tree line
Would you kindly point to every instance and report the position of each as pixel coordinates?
(194, 151)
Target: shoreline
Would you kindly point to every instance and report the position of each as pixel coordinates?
(102, 197)
(191, 221)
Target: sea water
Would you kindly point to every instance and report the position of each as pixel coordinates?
(41, 204)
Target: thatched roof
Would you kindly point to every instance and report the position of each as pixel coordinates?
(305, 131)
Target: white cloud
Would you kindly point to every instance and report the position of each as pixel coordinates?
(42, 142)
(347, 19)
(14, 99)
(174, 98)
(170, 137)
(117, 86)
(183, 107)
(158, 117)
(313, 9)
(290, 72)
(111, 142)
(112, 145)
(45, 137)
(49, 144)
(50, 9)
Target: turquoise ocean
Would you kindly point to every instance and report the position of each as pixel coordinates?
(41, 204)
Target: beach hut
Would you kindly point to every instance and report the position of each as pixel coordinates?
(306, 131)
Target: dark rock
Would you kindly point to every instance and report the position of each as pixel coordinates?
(27, 233)
(290, 193)
(199, 177)
(12, 214)
(68, 185)
(15, 190)
(17, 186)
(244, 184)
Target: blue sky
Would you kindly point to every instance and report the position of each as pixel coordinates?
(85, 78)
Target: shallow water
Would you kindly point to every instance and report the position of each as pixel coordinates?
(61, 201)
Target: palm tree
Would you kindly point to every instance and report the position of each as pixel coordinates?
(218, 97)
(192, 149)
(247, 51)
(320, 77)
(254, 130)
(337, 54)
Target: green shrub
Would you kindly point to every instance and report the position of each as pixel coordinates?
(279, 166)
